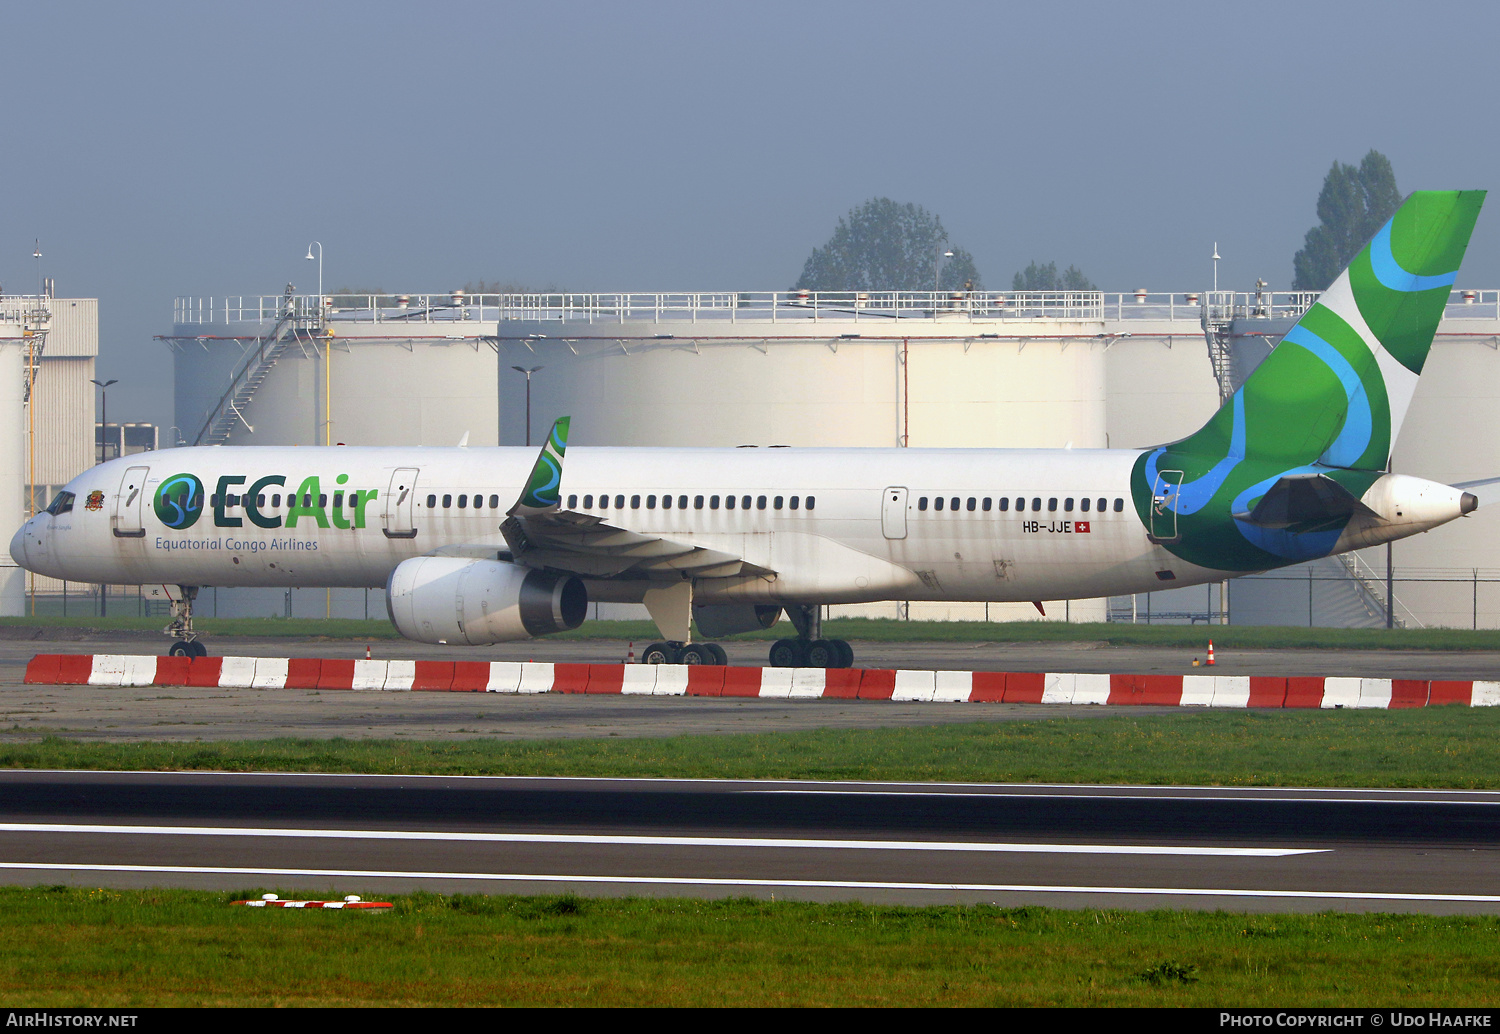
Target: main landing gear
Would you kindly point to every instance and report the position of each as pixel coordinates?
(678, 653)
(181, 626)
(810, 649)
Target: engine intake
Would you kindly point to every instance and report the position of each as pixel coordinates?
(435, 599)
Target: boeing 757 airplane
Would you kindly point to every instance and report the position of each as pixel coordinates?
(486, 545)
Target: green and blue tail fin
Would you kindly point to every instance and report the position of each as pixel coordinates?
(1328, 402)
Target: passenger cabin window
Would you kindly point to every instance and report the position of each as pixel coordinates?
(760, 502)
(1103, 505)
(588, 502)
(447, 501)
(793, 502)
(619, 502)
(812, 501)
(1036, 504)
(713, 502)
(970, 504)
(666, 502)
(1068, 504)
(682, 502)
(431, 502)
(1083, 504)
(745, 502)
(635, 502)
(1004, 504)
(922, 503)
(776, 503)
(1119, 505)
(572, 502)
(937, 503)
(697, 502)
(729, 502)
(985, 506)
(1051, 505)
(650, 502)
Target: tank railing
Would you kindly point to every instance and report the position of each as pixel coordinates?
(789, 306)
(25, 308)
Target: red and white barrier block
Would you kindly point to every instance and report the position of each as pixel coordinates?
(767, 683)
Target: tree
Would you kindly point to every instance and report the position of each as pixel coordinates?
(885, 246)
(1352, 206)
(1037, 277)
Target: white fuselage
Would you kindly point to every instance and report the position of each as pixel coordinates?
(834, 525)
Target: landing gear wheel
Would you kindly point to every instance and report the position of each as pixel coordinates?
(720, 657)
(789, 653)
(696, 653)
(823, 653)
(659, 653)
(181, 649)
(846, 653)
(197, 649)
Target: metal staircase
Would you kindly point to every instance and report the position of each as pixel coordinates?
(1371, 588)
(251, 374)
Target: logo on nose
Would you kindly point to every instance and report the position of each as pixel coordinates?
(179, 501)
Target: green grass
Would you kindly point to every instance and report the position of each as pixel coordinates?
(1248, 637)
(1426, 747)
(63, 946)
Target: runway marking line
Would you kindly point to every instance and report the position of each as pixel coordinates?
(698, 881)
(657, 841)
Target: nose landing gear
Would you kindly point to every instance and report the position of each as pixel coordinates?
(181, 626)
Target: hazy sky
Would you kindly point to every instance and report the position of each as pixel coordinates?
(167, 149)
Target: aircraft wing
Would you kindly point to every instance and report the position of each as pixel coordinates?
(586, 545)
(542, 534)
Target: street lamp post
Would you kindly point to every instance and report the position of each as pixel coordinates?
(309, 257)
(528, 373)
(104, 418)
(104, 455)
(937, 272)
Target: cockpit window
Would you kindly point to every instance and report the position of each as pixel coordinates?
(62, 504)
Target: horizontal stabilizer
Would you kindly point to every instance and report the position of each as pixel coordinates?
(1486, 491)
(1304, 502)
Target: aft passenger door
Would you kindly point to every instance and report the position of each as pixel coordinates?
(893, 513)
(1164, 506)
(129, 501)
(400, 501)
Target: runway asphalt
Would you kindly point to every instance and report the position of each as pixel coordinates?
(1063, 846)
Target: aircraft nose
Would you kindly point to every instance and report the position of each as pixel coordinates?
(18, 546)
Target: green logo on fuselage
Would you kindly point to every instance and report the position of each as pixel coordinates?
(179, 501)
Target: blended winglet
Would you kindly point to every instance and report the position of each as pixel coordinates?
(542, 493)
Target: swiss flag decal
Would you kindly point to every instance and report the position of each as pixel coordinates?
(1082, 527)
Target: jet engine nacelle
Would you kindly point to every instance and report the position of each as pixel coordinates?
(435, 599)
(728, 618)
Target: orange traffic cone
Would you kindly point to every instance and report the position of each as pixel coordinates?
(367, 651)
(630, 656)
(1210, 652)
